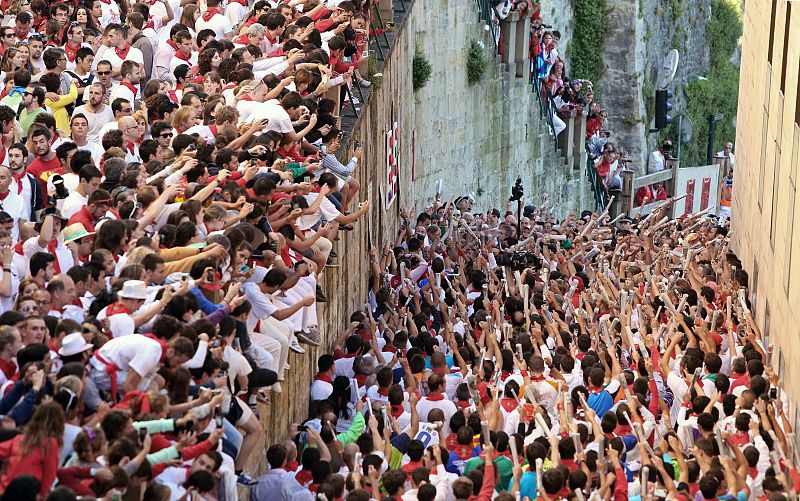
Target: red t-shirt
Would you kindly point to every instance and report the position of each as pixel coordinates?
(38, 168)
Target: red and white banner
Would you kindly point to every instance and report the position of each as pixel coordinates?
(392, 165)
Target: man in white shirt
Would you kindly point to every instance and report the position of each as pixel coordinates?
(118, 50)
(10, 202)
(322, 386)
(130, 72)
(89, 178)
(79, 127)
(658, 158)
(214, 19)
(436, 400)
(727, 152)
(96, 112)
(267, 321)
(120, 108)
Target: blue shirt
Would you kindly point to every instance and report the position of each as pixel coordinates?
(527, 485)
(600, 402)
(203, 303)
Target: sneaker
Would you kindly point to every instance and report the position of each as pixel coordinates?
(308, 338)
(332, 253)
(321, 297)
(295, 346)
(276, 388)
(364, 83)
(246, 480)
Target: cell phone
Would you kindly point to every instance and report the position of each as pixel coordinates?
(142, 434)
(191, 147)
(216, 343)
(307, 179)
(218, 417)
(295, 206)
(244, 269)
(210, 276)
(189, 426)
(241, 291)
(357, 144)
(302, 427)
(773, 393)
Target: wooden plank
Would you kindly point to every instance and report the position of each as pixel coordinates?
(656, 177)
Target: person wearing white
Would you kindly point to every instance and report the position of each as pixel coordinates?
(10, 202)
(213, 19)
(89, 179)
(96, 113)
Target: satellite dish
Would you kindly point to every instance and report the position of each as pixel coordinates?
(686, 128)
(668, 68)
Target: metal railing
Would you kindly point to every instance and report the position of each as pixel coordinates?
(598, 188)
(488, 16)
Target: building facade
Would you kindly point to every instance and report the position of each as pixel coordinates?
(766, 212)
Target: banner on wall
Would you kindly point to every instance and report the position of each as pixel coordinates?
(392, 165)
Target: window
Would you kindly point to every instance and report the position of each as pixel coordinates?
(785, 54)
(772, 29)
(776, 169)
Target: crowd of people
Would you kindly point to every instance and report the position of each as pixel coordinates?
(170, 188)
(576, 358)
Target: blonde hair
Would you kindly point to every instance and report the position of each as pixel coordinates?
(136, 255)
(181, 116)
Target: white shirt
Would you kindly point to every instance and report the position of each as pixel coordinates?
(261, 305)
(656, 161)
(14, 206)
(219, 23)
(326, 210)
(97, 152)
(122, 324)
(121, 91)
(26, 192)
(73, 204)
(109, 54)
(424, 406)
(320, 390)
(136, 352)
(96, 120)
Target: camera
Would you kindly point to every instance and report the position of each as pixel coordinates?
(517, 191)
(61, 190)
(519, 260)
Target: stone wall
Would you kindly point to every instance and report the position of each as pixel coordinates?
(479, 138)
(641, 33)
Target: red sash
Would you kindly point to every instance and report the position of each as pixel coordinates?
(111, 370)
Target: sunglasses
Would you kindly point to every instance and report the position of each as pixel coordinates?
(104, 72)
(26, 309)
(126, 110)
(8, 35)
(166, 135)
(26, 93)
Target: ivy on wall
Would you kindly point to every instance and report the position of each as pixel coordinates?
(719, 93)
(420, 69)
(476, 62)
(585, 51)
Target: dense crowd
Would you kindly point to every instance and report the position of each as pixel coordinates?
(171, 184)
(170, 188)
(576, 358)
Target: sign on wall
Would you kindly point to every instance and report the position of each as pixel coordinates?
(392, 165)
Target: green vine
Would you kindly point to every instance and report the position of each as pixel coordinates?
(372, 69)
(585, 51)
(421, 69)
(476, 62)
(719, 92)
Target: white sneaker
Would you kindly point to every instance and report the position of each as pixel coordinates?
(295, 346)
(364, 83)
(276, 388)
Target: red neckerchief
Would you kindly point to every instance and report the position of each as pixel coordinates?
(150, 24)
(130, 86)
(323, 377)
(213, 129)
(160, 342)
(130, 146)
(537, 379)
(123, 52)
(21, 37)
(246, 97)
(411, 466)
(435, 397)
(273, 39)
(396, 411)
(361, 379)
(171, 43)
(440, 370)
(117, 309)
(71, 51)
(209, 13)
(384, 392)
(303, 477)
(622, 430)
(3, 196)
(463, 451)
(242, 39)
(17, 178)
(243, 3)
(509, 404)
(451, 441)
(9, 368)
(595, 389)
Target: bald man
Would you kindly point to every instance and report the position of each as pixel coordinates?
(63, 299)
(10, 202)
(131, 133)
